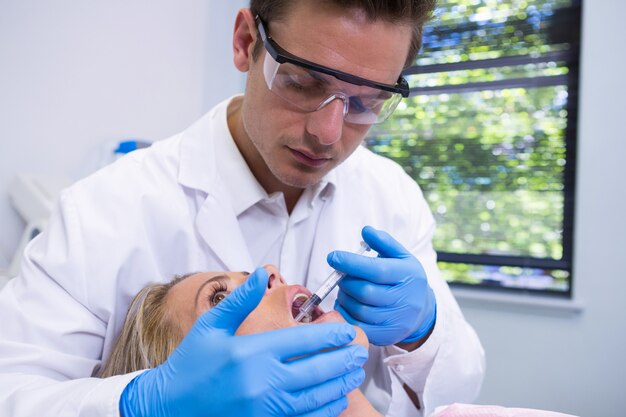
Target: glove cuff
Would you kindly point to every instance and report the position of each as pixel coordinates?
(424, 329)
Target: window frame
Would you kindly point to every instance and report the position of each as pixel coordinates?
(571, 58)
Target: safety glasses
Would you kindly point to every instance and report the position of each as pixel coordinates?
(310, 87)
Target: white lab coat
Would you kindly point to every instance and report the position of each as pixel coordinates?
(162, 211)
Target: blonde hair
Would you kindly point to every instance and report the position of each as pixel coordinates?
(149, 335)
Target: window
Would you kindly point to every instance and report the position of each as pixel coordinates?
(489, 133)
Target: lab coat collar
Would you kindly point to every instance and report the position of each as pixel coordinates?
(244, 189)
(197, 168)
(215, 222)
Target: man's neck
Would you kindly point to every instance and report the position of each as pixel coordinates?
(254, 161)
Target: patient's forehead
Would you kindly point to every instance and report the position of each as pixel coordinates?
(195, 281)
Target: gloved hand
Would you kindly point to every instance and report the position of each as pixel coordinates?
(387, 296)
(215, 373)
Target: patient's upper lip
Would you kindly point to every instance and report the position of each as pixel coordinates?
(297, 289)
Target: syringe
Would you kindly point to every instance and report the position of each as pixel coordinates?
(331, 282)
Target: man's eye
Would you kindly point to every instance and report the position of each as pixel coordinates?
(357, 105)
(294, 85)
(304, 84)
(217, 297)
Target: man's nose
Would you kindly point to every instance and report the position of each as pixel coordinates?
(275, 278)
(326, 123)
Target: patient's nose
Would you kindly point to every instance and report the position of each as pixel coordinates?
(275, 278)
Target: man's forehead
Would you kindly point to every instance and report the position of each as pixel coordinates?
(344, 41)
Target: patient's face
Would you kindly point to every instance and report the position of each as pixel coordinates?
(202, 291)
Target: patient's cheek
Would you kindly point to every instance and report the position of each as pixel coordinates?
(360, 338)
(248, 327)
(263, 319)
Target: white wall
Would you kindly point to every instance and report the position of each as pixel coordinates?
(75, 74)
(576, 363)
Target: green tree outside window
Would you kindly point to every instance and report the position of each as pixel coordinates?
(489, 134)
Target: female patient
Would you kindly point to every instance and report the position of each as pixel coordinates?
(161, 314)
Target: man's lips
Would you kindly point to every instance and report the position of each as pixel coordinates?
(309, 159)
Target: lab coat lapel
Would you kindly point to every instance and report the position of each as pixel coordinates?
(218, 226)
(215, 221)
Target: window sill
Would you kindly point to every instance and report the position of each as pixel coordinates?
(517, 302)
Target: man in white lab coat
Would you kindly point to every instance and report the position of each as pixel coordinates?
(273, 176)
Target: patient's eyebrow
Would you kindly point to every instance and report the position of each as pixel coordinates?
(208, 281)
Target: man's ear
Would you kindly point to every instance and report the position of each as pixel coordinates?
(244, 38)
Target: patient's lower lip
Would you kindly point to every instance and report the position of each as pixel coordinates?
(332, 315)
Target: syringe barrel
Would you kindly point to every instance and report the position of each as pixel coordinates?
(307, 308)
(330, 283)
(334, 277)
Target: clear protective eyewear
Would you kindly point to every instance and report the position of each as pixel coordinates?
(311, 87)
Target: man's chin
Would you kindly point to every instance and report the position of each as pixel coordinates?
(301, 178)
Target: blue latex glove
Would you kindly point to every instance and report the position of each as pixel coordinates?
(387, 296)
(215, 373)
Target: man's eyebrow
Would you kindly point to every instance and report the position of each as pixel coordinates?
(222, 277)
(320, 77)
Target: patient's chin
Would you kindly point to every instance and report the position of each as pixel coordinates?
(265, 319)
(361, 338)
(334, 316)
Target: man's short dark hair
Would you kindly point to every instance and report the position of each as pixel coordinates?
(414, 13)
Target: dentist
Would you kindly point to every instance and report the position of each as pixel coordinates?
(276, 175)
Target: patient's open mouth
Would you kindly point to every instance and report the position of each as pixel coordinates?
(297, 302)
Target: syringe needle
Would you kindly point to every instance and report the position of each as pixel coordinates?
(327, 286)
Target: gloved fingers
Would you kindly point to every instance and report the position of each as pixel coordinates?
(383, 243)
(378, 335)
(297, 341)
(371, 330)
(367, 314)
(334, 408)
(309, 371)
(367, 292)
(311, 400)
(409, 291)
(232, 311)
(372, 269)
(346, 315)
